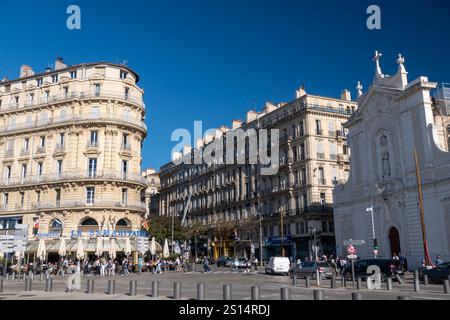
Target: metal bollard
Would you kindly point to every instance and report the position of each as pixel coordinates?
(343, 282)
(90, 286)
(308, 282)
(155, 289)
(400, 281)
(226, 292)
(1, 285)
(416, 274)
(285, 294)
(133, 288)
(13, 277)
(403, 298)
(49, 285)
(318, 294)
(389, 284)
(200, 291)
(256, 293)
(425, 280)
(111, 287)
(177, 290)
(358, 283)
(41, 277)
(416, 284)
(446, 287)
(357, 296)
(7, 277)
(28, 285)
(294, 281)
(333, 282)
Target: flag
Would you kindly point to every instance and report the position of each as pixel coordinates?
(145, 224)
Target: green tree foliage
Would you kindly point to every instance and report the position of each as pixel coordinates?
(161, 228)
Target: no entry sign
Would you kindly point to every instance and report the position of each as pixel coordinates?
(351, 250)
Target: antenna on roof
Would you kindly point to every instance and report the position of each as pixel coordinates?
(124, 62)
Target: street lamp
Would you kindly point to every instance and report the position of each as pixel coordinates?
(315, 246)
(375, 241)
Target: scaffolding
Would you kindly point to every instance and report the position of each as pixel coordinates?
(442, 97)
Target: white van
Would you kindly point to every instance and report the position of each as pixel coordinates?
(278, 265)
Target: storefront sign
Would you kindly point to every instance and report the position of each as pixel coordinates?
(109, 233)
(287, 240)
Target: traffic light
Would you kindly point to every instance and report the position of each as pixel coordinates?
(375, 244)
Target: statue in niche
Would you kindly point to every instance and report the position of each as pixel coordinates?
(385, 157)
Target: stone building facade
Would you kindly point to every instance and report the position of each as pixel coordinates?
(70, 149)
(152, 192)
(394, 118)
(241, 206)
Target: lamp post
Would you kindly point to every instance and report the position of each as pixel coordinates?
(375, 241)
(260, 240)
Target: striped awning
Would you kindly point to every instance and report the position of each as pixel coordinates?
(90, 245)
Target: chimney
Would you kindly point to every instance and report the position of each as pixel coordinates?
(48, 69)
(300, 92)
(236, 124)
(251, 115)
(5, 78)
(269, 107)
(346, 95)
(26, 71)
(59, 64)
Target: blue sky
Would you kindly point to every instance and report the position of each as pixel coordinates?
(213, 60)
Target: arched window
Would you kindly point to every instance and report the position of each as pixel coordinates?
(55, 226)
(88, 224)
(123, 224)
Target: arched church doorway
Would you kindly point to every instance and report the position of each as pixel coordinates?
(394, 240)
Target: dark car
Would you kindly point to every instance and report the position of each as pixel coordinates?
(224, 262)
(438, 274)
(387, 268)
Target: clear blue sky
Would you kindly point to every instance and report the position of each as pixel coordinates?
(213, 60)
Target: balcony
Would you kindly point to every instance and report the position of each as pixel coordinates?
(320, 155)
(332, 133)
(75, 96)
(40, 150)
(42, 206)
(57, 121)
(60, 147)
(72, 176)
(9, 153)
(92, 145)
(125, 147)
(24, 152)
(319, 132)
(322, 181)
(333, 157)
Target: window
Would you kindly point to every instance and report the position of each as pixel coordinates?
(54, 78)
(22, 199)
(330, 226)
(333, 151)
(61, 140)
(124, 169)
(331, 129)
(5, 199)
(125, 139)
(24, 171)
(318, 127)
(31, 99)
(73, 74)
(59, 167)
(97, 90)
(90, 195)
(127, 91)
(302, 151)
(42, 141)
(93, 142)
(40, 168)
(58, 197)
(95, 112)
(321, 176)
(26, 144)
(46, 96)
(92, 167)
(344, 149)
(324, 226)
(39, 82)
(8, 172)
(123, 74)
(302, 129)
(320, 153)
(124, 196)
(38, 196)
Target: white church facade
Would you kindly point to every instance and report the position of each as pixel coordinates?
(394, 118)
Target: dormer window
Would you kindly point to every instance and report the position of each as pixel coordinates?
(39, 82)
(123, 74)
(73, 75)
(54, 78)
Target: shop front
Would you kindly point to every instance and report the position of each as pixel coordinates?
(273, 247)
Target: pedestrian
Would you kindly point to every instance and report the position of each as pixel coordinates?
(206, 265)
(125, 270)
(139, 265)
(103, 267)
(236, 264)
(158, 266)
(255, 263)
(248, 265)
(177, 264)
(439, 261)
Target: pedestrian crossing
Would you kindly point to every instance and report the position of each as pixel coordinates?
(224, 272)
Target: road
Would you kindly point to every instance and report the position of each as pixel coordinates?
(240, 282)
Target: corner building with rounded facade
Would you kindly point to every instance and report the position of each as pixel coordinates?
(70, 150)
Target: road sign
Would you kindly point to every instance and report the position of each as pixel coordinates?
(352, 256)
(354, 242)
(351, 249)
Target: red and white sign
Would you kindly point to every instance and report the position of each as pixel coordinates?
(351, 250)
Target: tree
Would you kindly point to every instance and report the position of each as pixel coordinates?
(195, 230)
(222, 230)
(161, 228)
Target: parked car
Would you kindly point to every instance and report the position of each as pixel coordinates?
(278, 265)
(387, 268)
(310, 268)
(242, 262)
(438, 274)
(224, 262)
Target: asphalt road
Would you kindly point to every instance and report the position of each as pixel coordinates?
(240, 282)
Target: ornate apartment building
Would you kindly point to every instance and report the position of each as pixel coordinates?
(152, 192)
(243, 208)
(70, 149)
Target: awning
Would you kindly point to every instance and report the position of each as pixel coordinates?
(90, 245)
